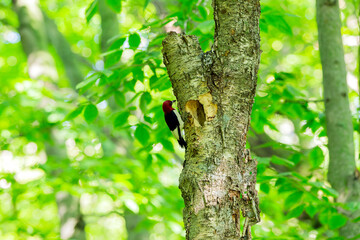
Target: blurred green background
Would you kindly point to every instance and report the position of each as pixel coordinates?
(85, 151)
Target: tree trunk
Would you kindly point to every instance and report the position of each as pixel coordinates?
(215, 92)
(342, 173)
(42, 67)
(69, 59)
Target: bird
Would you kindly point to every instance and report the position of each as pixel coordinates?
(174, 122)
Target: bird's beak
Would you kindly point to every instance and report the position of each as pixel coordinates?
(173, 101)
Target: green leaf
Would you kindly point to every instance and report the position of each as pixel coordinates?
(206, 26)
(148, 119)
(263, 25)
(167, 145)
(121, 119)
(146, 3)
(88, 82)
(355, 220)
(293, 199)
(115, 5)
(117, 44)
(90, 113)
(295, 212)
(311, 210)
(278, 21)
(142, 135)
(145, 99)
(281, 161)
(337, 221)
(131, 205)
(283, 76)
(149, 161)
(316, 157)
(265, 188)
(202, 12)
(120, 99)
(91, 10)
(330, 191)
(74, 113)
(134, 40)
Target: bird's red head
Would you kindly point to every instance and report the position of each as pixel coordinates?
(167, 106)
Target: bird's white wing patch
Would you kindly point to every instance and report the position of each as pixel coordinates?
(180, 120)
(175, 132)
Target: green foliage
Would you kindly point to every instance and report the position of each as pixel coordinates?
(134, 40)
(114, 4)
(90, 113)
(121, 119)
(91, 10)
(142, 134)
(124, 163)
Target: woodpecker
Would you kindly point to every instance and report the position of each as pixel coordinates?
(174, 122)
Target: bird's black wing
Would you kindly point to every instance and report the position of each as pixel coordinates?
(171, 120)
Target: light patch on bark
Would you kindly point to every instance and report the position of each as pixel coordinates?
(209, 107)
(196, 111)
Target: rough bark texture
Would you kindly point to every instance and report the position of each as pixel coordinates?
(215, 92)
(42, 67)
(342, 173)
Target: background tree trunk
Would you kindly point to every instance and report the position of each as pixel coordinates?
(342, 173)
(42, 67)
(215, 92)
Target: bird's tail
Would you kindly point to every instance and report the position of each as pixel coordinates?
(182, 142)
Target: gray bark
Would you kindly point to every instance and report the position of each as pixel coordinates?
(63, 49)
(342, 173)
(42, 67)
(215, 92)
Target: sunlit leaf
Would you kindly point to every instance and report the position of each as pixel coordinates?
(278, 21)
(282, 161)
(146, 3)
(90, 113)
(167, 145)
(74, 113)
(121, 119)
(293, 199)
(337, 221)
(316, 157)
(88, 82)
(132, 205)
(311, 210)
(142, 134)
(120, 99)
(91, 10)
(145, 99)
(265, 188)
(202, 12)
(206, 26)
(296, 211)
(134, 40)
(114, 4)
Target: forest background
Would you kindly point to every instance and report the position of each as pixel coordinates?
(84, 149)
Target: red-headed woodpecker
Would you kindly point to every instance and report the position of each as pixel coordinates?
(174, 121)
